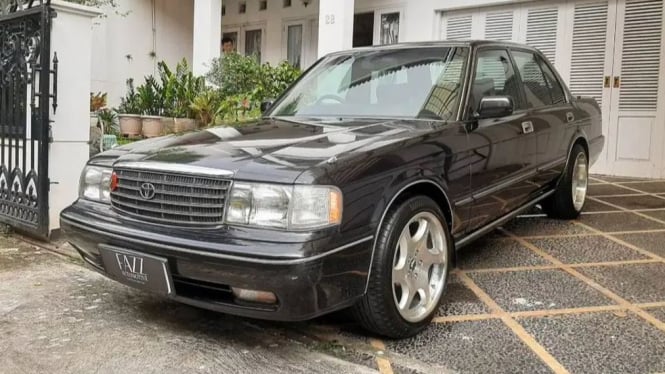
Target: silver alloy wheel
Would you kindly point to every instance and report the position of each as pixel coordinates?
(580, 181)
(419, 267)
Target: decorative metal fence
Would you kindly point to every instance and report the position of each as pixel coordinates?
(28, 93)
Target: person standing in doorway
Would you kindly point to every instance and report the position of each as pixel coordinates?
(228, 46)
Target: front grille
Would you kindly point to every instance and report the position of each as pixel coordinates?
(178, 198)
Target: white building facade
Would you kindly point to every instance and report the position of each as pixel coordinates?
(612, 50)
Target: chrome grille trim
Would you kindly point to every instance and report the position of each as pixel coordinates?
(180, 199)
(176, 169)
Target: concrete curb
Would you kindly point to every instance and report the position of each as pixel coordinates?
(61, 248)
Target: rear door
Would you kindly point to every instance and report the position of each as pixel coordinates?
(553, 117)
(502, 178)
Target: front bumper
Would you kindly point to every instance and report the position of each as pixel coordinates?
(310, 278)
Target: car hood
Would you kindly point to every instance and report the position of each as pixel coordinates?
(269, 150)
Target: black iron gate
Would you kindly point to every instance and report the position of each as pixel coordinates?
(25, 96)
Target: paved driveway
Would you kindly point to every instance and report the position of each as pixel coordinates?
(536, 296)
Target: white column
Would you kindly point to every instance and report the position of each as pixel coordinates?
(207, 34)
(71, 38)
(335, 25)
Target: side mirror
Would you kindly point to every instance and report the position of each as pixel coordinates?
(495, 107)
(266, 105)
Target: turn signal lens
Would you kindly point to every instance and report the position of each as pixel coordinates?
(335, 216)
(254, 296)
(114, 181)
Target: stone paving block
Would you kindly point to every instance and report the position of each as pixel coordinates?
(600, 342)
(608, 189)
(596, 206)
(587, 249)
(616, 222)
(658, 313)
(485, 254)
(459, 300)
(635, 202)
(642, 283)
(543, 226)
(619, 179)
(518, 291)
(653, 242)
(650, 187)
(657, 214)
(471, 347)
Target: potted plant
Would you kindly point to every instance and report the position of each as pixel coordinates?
(129, 112)
(168, 91)
(97, 103)
(178, 90)
(151, 108)
(205, 107)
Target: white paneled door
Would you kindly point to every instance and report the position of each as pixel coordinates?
(636, 105)
(611, 50)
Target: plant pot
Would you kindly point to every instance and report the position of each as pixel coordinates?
(130, 124)
(184, 125)
(169, 125)
(94, 119)
(152, 126)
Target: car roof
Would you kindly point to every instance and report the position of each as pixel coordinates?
(475, 43)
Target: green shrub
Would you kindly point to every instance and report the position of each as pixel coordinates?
(178, 89)
(150, 97)
(130, 103)
(243, 83)
(240, 85)
(275, 80)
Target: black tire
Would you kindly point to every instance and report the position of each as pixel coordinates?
(377, 311)
(560, 205)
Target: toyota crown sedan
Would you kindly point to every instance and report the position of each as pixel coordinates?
(355, 190)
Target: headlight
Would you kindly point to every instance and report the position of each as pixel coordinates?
(284, 207)
(96, 184)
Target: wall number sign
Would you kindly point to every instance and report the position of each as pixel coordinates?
(330, 19)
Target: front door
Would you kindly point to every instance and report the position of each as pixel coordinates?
(508, 150)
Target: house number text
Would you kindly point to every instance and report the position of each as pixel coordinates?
(330, 19)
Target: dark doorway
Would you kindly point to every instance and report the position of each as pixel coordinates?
(363, 29)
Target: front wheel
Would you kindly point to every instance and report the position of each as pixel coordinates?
(570, 195)
(409, 271)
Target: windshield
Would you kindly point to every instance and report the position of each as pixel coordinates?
(422, 83)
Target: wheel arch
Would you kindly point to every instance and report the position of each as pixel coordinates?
(578, 138)
(425, 187)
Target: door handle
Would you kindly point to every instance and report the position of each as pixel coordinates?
(617, 82)
(607, 81)
(527, 127)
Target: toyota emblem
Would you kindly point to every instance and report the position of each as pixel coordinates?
(148, 191)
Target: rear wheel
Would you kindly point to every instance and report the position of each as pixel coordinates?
(409, 271)
(570, 195)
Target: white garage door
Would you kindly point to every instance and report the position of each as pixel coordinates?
(612, 54)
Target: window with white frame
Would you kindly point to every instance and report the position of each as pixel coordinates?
(254, 43)
(248, 40)
(294, 45)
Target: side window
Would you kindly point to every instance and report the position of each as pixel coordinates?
(558, 97)
(495, 76)
(536, 90)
